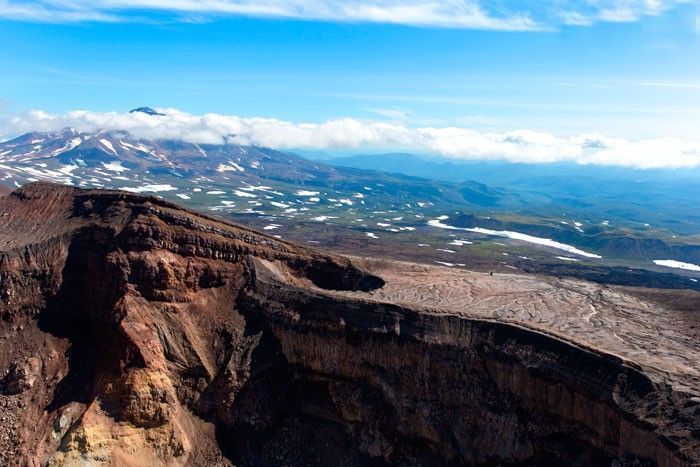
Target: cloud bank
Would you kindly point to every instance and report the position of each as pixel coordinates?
(351, 134)
(510, 15)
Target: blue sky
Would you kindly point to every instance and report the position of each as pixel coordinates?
(623, 68)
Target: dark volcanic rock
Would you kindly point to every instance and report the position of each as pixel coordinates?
(134, 332)
(20, 376)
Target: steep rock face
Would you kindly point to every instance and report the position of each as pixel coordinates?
(131, 307)
(476, 392)
(135, 332)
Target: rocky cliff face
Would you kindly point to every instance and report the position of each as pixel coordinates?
(137, 333)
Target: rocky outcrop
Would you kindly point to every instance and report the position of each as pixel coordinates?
(134, 332)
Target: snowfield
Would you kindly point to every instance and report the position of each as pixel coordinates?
(672, 263)
(515, 236)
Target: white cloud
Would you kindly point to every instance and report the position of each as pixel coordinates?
(574, 18)
(456, 142)
(394, 114)
(51, 13)
(467, 14)
(587, 12)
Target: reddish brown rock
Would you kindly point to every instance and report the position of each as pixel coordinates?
(134, 332)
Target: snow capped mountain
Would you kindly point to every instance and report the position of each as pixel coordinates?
(108, 158)
(147, 111)
(115, 159)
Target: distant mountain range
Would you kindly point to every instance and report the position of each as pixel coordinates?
(662, 198)
(456, 170)
(109, 159)
(632, 220)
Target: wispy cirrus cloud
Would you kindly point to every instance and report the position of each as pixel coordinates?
(51, 12)
(588, 12)
(393, 113)
(511, 15)
(466, 14)
(525, 146)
